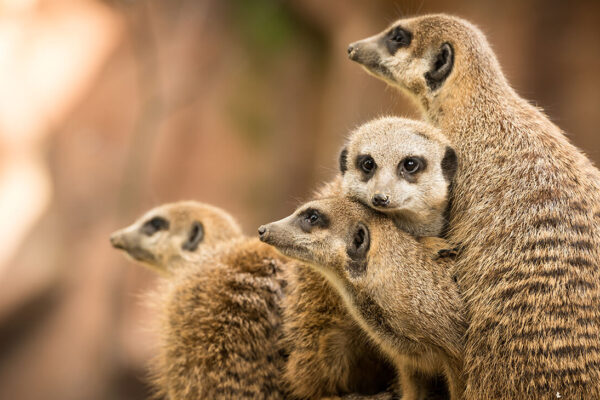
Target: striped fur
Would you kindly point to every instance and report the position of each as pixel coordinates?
(222, 326)
(526, 209)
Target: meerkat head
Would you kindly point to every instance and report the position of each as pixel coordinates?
(422, 55)
(174, 230)
(400, 167)
(331, 233)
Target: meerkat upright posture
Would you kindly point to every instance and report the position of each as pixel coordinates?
(173, 231)
(526, 210)
(406, 302)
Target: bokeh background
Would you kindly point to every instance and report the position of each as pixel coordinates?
(108, 108)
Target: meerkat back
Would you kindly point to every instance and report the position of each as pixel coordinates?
(221, 326)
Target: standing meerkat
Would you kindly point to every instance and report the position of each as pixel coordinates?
(412, 165)
(526, 210)
(406, 302)
(173, 231)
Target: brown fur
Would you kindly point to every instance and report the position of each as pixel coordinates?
(409, 306)
(329, 355)
(161, 250)
(221, 326)
(526, 209)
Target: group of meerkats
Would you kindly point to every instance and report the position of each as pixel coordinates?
(455, 257)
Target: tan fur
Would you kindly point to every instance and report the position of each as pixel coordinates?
(329, 354)
(418, 201)
(407, 303)
(162, 249)
(526, 210)
(221, 327)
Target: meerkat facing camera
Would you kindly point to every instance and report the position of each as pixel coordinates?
(403, 168)
(406, 302)
(173, 231)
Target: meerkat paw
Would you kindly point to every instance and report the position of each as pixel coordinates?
(439, 248)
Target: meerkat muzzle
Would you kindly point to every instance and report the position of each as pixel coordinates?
(116, 240)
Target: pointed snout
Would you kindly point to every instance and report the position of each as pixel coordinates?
(353, 51)
(263, 233)
(117, 240)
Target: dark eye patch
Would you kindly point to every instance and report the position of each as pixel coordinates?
(410, 167)
(449, 164)
(154, 225)
(311, 218)
(367, 165)
(397, 38)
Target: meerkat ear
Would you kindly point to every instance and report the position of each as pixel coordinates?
(449, 163)
(344, 160)
(441, 67)
(195, 236)
(357, 249)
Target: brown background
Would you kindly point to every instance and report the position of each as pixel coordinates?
(109, 108)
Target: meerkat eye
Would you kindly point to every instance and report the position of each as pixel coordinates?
(313, 217)
(154, 225)
(396, 38)
(411, 165)
(367, 164)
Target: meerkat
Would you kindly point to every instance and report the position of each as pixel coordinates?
(526, 209)
(412, 165)
(406, 302)
(221, 325)
(174, 231)
(402, 168)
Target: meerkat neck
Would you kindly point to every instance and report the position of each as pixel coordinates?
(477, 85)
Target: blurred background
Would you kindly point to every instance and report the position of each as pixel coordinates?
(108, 108)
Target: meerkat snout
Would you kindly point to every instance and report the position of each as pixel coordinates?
(116, 240)
(351, 51)
(380, 200)
(263, 232)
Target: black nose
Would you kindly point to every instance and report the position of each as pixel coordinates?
(262, 230)
(380, 200)
(350, 49)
